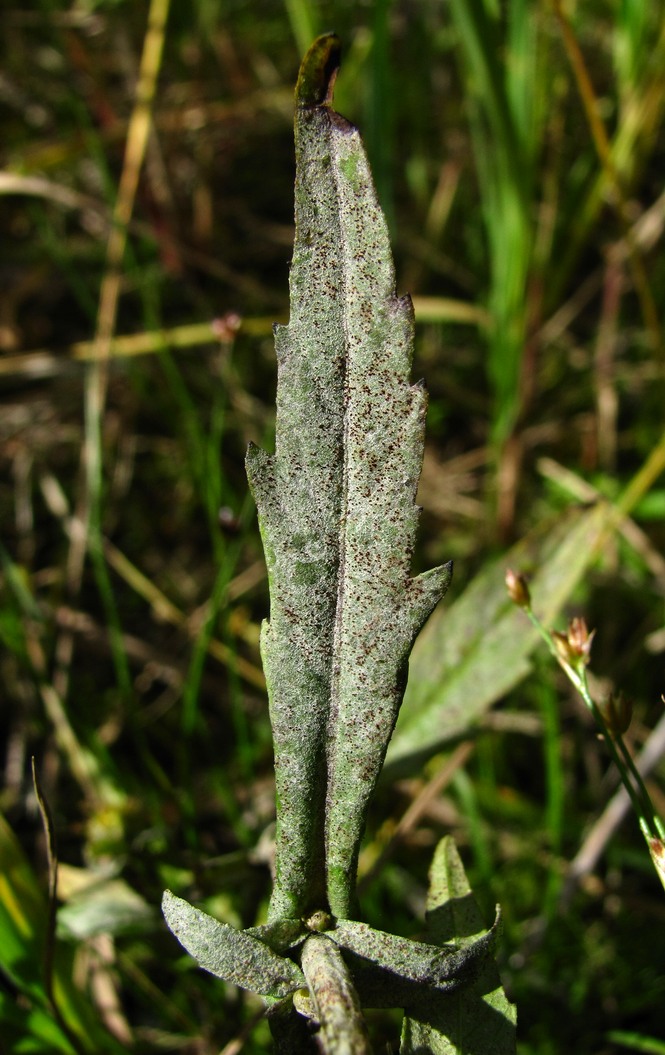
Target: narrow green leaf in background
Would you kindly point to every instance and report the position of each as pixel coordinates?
(504, 88)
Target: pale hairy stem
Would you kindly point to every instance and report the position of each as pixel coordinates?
(334, 1000)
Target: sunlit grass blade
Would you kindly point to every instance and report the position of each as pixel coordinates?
(304, 19)
(58, 1014)
(503, 94)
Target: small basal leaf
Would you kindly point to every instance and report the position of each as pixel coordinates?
(391, 971)
(282, 935)
(233, 955)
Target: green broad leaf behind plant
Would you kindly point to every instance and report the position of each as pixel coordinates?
(472, 654)
(476, 1017)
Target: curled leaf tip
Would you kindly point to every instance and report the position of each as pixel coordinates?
(318, 70)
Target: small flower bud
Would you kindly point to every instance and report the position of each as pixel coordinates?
(518, 591)
(226, 327)
(320, 921)
(617, 712)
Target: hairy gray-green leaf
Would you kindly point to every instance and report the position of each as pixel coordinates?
(233, 955)
(281, 935)
(391, 971)
(337, 510)
(474, 1018)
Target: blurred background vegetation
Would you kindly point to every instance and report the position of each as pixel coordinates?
(146, 215)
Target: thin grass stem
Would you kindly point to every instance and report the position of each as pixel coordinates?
(604, 151)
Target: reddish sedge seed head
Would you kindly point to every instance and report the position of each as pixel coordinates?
(518, 591)
(563, 649)
(617, 712)
(574, 647)
(580, 638)
(657, 851)
(226, 327)
(657, 848)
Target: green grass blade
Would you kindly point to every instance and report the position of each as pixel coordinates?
(501, 95)
(304, 19)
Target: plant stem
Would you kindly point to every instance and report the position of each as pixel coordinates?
(334, 998)
(650, 824)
